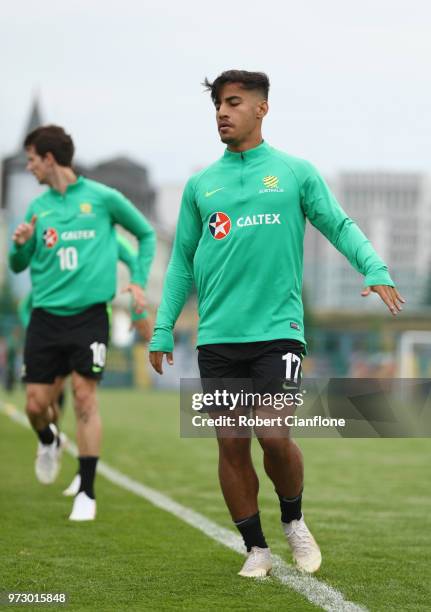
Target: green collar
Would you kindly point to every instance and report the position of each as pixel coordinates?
(70, 187)
(260, 151)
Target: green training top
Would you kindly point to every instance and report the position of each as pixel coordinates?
(25, 306)
(240, 238)
(73, 252)
(126, 254)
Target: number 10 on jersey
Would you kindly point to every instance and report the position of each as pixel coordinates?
(68, 258)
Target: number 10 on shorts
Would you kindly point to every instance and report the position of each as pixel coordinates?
(99, 354)
(293, 365)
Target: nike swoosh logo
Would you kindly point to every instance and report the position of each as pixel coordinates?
(210, 193)
(45, 212)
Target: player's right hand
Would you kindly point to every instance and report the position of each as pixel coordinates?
(24, 231)
(156, 360)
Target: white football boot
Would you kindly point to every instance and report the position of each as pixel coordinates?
(258, 563)
(84, 508)
(74, 486)
(48, 458)
(305, 550)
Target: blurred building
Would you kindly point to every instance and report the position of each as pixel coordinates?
(128, 177)
(168, 204)
(393, 210)
(18, 188)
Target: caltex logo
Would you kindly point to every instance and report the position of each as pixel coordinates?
(219, 225)
(51, 237)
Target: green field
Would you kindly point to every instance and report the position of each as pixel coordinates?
(368, 503)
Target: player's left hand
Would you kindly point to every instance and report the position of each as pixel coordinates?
(144, 329)
(389, 295)
(138, 295)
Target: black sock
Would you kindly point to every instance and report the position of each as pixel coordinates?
(87, 471)
(290, 508)
(46, 436)
(251, 531)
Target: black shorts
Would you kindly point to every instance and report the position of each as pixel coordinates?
(57, 345)
(272, 366)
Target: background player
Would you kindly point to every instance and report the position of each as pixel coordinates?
(128, 255)
(69, 242)
(240, 238)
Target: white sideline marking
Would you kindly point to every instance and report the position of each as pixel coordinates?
(317, 592)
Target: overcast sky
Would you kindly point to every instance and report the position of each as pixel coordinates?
(350, 80)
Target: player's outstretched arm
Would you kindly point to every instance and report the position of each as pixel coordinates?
(325, 213)
(389, 295)
(178, 280)
(23, 245)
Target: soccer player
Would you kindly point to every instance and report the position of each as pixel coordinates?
(69, 241)
(240, 239)
(128, 255)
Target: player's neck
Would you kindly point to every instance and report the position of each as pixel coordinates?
(61, 178)
(250, 142)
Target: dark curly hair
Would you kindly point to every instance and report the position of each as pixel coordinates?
(248, 80)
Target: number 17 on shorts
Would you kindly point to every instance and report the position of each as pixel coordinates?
(293, 367)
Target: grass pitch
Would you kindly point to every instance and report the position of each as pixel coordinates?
(368, 503)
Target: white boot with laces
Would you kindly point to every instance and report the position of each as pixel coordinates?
(305, 550)
(258, 563)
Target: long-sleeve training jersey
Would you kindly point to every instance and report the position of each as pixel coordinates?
(73, 252)
(240, 237)
(126, 253)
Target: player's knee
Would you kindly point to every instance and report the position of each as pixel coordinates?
(84, 399)
(234, 451)
(274, 447)
(35, 406)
